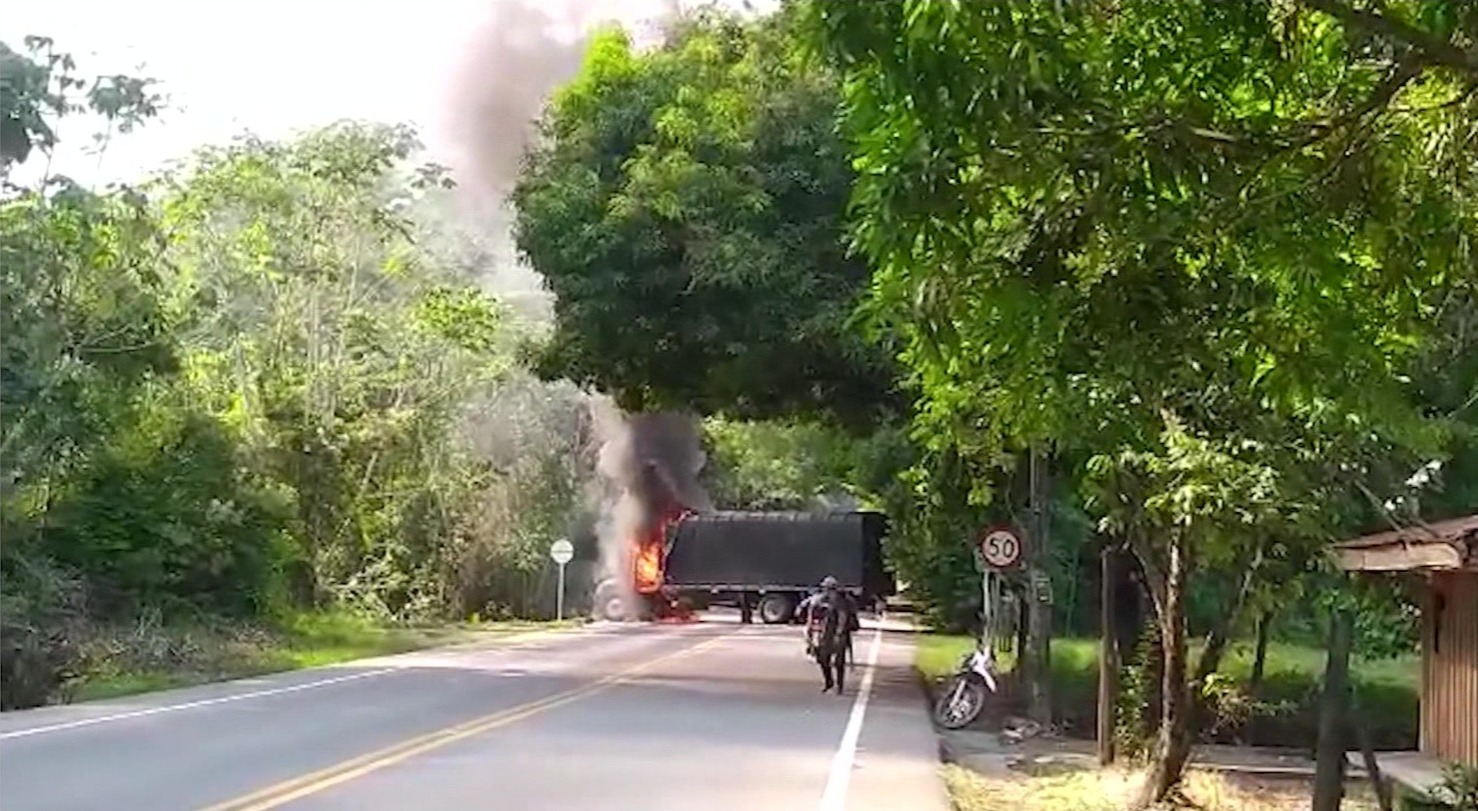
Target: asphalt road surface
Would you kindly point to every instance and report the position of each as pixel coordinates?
(605, 718)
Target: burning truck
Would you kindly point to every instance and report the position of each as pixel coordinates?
(665, 550)
(682, 559)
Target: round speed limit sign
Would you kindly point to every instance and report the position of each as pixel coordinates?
(1000, 548)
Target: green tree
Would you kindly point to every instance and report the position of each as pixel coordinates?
(112, 494)
(41, 85)
(254, 385)
(778, 465)
(685, 206)
(87, 363)
(1198, 244)
(316, 324)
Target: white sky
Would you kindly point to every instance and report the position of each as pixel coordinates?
(271, 66)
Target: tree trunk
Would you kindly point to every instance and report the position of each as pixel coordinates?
(1039, 618)
(1173, 741)
(1329, 766)
(1250, 735)
(1260, 653)
(1020, 650)
(1220, 633)
(1108, 656)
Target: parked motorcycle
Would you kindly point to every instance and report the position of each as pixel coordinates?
(964, 697)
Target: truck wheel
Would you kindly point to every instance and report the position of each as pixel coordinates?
(776, 609)
(609, 604)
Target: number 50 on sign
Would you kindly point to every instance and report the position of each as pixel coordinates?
(1000, 548)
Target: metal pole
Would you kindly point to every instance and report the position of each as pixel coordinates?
(987, 609)
(559, 596)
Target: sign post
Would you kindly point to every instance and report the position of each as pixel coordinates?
(999, 549)
(561, 552)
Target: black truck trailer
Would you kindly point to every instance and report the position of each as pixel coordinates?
(774, 559)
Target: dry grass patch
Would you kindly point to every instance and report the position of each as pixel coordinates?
(1110, 790)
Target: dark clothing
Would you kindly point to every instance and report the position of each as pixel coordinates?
(833, 618)
(833, 661)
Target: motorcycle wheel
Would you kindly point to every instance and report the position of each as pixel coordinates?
(959, 704)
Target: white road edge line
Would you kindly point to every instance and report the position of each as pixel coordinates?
(292, 688)
(834, 798)
(189, 705)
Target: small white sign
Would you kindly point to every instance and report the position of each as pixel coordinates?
(1000, 548)
(562, 551)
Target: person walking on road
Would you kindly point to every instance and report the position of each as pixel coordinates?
(803, 611)
(830, 621)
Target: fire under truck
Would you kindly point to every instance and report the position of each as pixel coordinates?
(690, 560)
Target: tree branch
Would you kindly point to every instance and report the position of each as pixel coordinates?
(1216, 639)
(1428, 47)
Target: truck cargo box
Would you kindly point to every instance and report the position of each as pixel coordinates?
(778, 550)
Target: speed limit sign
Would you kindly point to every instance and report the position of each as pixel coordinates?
(1000, 548)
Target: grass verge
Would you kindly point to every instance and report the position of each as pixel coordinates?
(151, 656)
(1388, 690)
(1111, 789)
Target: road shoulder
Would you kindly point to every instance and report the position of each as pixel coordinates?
(897, 761)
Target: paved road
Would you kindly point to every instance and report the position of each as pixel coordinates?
(711, 714)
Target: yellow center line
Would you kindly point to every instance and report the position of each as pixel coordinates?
(317, 781)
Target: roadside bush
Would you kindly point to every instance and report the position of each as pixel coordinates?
(164, 518)
(41, 610)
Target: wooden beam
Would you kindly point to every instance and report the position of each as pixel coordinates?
(1400, 557)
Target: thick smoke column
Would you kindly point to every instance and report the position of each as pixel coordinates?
(506, 70)
(647, 464)
(512, 64)
(514, 61)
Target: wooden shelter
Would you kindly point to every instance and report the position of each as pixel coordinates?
(1442, 558)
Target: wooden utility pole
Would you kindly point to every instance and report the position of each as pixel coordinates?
(1329, 763)
(1108, 652)
(1039, 618)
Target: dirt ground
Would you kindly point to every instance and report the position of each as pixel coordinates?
(1074, 788)
(1006, 764)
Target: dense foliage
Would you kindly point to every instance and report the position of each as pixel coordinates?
(1206, 248)
(686, 207)
(252, 385)
(1214, 257)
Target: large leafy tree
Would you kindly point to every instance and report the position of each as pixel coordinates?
(252, 383)
(685, 205)
(1200, 244)
(105, 473)
(314, 322)
(113, 493)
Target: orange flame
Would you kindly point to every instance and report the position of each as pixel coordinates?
(647, 566)
(676, 611)
(647, 563)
